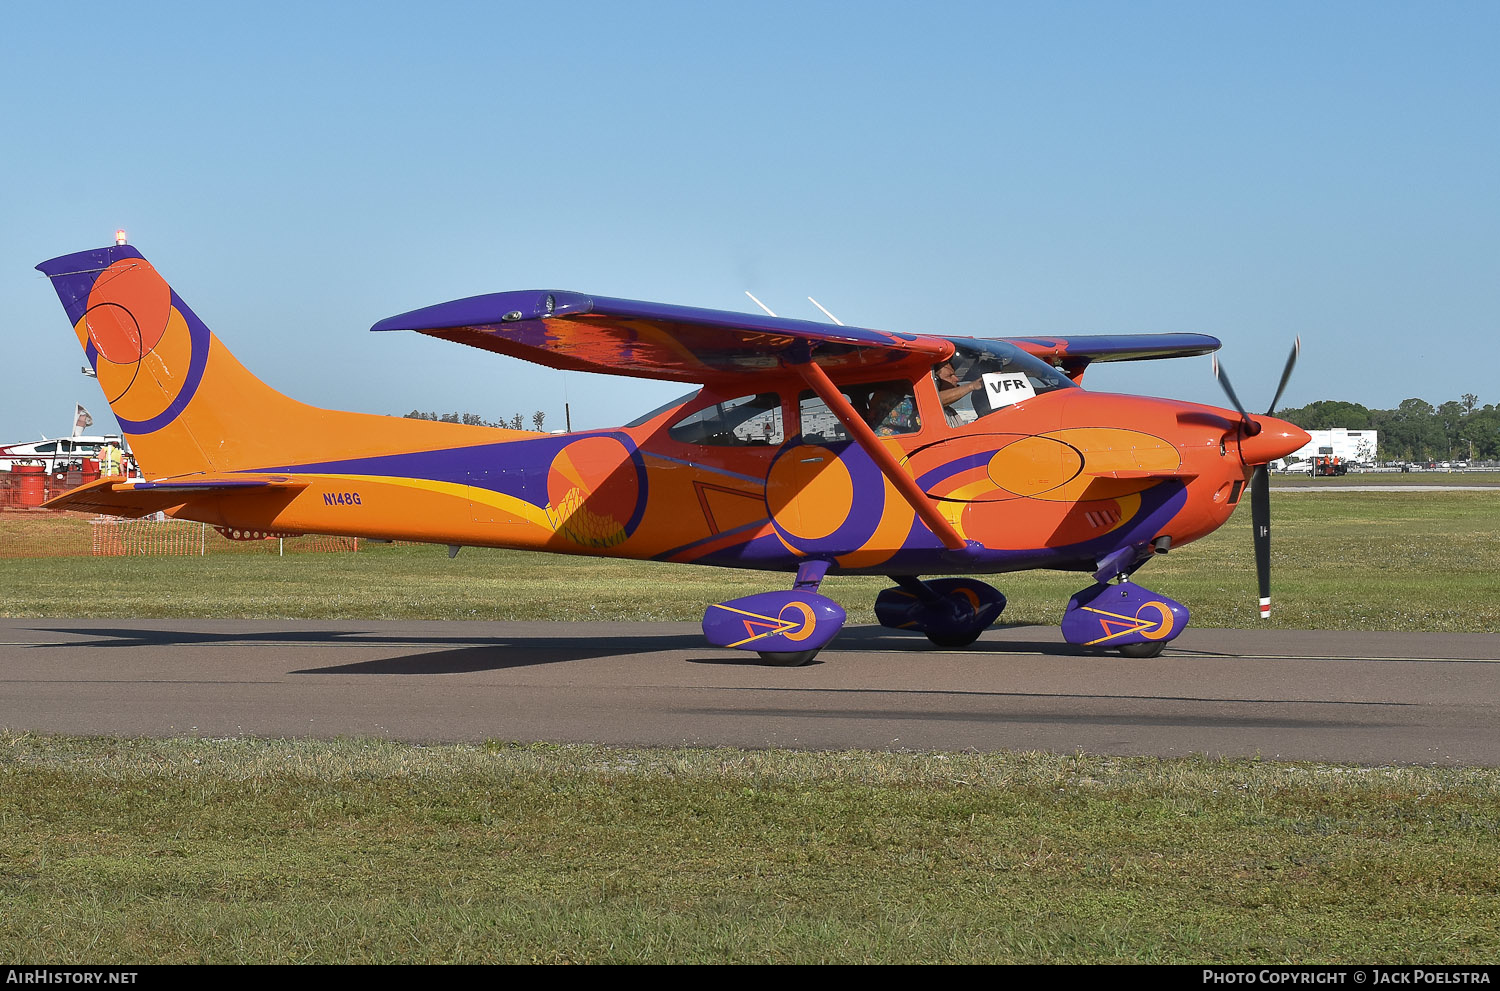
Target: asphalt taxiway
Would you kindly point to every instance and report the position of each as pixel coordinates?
(1364, 698)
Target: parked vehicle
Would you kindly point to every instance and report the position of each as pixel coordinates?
(1327, 464)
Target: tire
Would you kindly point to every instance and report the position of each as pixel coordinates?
(1146, 648)
(952, 640)
(786, 658)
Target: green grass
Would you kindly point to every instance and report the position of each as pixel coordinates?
(1342, 560)
(233, 851)
(1414, 478)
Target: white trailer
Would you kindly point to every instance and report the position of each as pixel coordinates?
(1344, 444)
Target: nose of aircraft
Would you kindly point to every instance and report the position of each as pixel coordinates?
(1275, 439)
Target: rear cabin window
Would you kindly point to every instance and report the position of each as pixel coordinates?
(889, 408)
(743, 422)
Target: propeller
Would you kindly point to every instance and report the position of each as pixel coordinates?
(1260, 481)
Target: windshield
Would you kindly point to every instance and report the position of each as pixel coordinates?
(648, 417)
(988, 376)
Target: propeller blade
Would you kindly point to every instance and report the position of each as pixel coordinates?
(1260, 517)
(1260, 480)
(1286, 373)
(1229, 390)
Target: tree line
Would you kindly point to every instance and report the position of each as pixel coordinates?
(516, 422)
(1415, 430)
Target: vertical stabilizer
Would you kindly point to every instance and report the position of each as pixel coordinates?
(186, 404)
(182, 399)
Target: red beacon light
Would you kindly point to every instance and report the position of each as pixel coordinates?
(120, 236)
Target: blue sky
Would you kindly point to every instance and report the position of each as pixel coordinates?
(1253, 171)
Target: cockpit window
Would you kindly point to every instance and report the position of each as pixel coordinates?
(988, 376)
(734, 422)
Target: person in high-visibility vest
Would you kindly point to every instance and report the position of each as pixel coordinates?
(110, 462)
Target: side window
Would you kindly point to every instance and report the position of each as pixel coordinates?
(734, 423)
(888, 407)
(819, 425)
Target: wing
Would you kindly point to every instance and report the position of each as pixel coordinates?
(657, 340)
(687, 344)
(135, 499)
(1074, 354)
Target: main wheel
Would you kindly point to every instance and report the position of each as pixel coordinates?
(1146, 648)
(787, 658)
(954, 639)
(966, 606)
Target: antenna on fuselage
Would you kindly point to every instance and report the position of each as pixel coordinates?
(759, 303)
(825, 311)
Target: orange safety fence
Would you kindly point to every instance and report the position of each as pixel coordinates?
(113, 537)
(41, 534)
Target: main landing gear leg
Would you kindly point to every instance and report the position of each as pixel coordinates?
(786, 629)
(951, 611)
(1115, 613)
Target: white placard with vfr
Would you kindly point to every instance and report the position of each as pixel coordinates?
(1007, 388)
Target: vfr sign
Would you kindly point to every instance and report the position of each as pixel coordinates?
(1007, 388)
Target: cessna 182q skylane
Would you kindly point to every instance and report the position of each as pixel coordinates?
(810, 448)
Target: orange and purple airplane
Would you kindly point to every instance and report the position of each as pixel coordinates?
(807, 448)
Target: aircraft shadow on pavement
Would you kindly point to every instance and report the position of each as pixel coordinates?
(499, 653)
(470, 654)
(464, 653)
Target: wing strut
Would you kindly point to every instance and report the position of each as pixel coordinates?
(814, 375)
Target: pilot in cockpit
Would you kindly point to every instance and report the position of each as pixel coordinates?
(950, 390)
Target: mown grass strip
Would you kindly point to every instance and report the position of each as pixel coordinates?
(357, 851)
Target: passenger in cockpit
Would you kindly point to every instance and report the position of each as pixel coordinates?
(892, 411)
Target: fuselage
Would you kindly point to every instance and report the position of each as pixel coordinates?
(1059, 479)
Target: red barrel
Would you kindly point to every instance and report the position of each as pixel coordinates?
(33, 484)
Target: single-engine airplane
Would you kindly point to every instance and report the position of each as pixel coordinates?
(809, 448)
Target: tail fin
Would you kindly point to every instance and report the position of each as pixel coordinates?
(182, 399)
(186, 405)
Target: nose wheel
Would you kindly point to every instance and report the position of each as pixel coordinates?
(1123, 616)
(1146, 648)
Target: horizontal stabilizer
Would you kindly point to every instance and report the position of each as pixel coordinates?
(135, 499)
